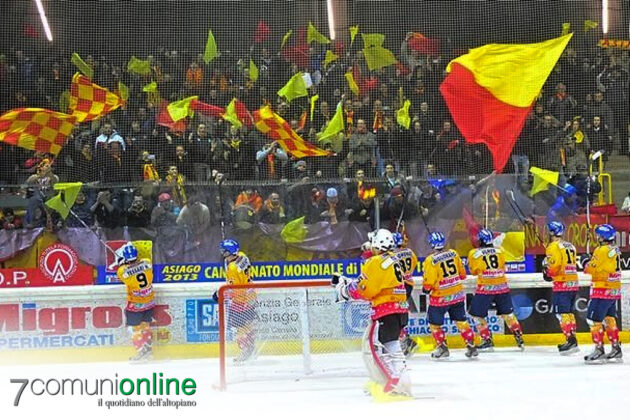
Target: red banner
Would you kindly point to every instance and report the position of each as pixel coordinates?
(577, 232)
(59, 265)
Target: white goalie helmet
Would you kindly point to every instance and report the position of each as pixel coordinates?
(383, 240)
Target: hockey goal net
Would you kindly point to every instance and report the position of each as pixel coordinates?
(288, 330)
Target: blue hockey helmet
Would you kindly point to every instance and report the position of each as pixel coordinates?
(555, 228)
(129, 252)
(398, 239)
(436, 240)
(485, 236)
(605, 232)
(229, 246)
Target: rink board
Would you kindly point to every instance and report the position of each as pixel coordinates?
(86, 323)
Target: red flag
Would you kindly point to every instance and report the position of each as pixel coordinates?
(302, 122)
(164, 119)
(404, 70)
(207, 109)
(365, 85)
(297, 55)
(29, 30)
(472, 226)
(262, 32)
(424, 45)
(243, 114)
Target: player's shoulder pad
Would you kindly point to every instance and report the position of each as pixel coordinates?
(613, 251)
(444, 255)
(242, 262)
(387, 259)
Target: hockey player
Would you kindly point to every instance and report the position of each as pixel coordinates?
(605, 270)
(443, 278)
(409, 260)
(382, 284)
(241, 301)
(488, 264)
(560, 267)
(137, 275)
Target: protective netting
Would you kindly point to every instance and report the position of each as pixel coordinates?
(288, 332)
(142, 169)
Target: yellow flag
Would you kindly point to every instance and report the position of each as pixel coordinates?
(231, 115)
(566, 27)
(352, 84)
(294, 88)
(253, 71)
(179, 110)
(589, 24)
(513, 73)
(294, 231)
(354, 30)
(542, 179)
(64, 101)
(141, 67)
(378, 57)
(313, 99)
(334, 126)
(123, 90)
(63, 201)
(285, 38)
(84, 67)
(371, 40)
(402, 115)
(150, 87)
(211, 52)
(313, 35)
(330, 57)
(513, 245)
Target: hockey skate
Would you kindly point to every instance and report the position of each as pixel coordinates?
(408, 346)
(377, 392)
(615, 355)
(247, 354)
(143, 355)
(486, 346)
(596, 357)
(471, 351)
(518, 337)
(440, 352)
(569, 347)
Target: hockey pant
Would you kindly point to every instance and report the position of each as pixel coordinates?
(385, 362)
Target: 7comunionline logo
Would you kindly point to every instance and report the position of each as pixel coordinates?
(154, 386)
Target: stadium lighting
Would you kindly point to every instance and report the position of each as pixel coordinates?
(42, 15)
(605, 16)
(331, 18)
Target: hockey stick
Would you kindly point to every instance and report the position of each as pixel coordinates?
(220, 184)
(521, 215)
(487, 189)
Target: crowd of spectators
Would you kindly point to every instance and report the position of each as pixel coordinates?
(142, 174)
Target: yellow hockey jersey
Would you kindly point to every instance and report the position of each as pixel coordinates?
(408, 261)
(605, 270)
(382, 284)
(562, 266)
(443, 278)
(138, 277)
(237, 272)
(488, 264)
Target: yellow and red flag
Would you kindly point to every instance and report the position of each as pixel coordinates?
(490, 91)
(89, 101)
(36, 129)
(271, 124)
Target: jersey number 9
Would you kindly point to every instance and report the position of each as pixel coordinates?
(142, 280)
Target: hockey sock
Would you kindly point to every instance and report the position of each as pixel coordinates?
(466, 332)
(482, 327)
(567, 322)
(611, 329)
(573, 323)
(438, 334)
(403, 333)
(597, 333)
(245, 337)
(139, 336)
(147, 335)
(512, 323)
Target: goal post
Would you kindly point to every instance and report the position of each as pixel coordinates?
(281, 330)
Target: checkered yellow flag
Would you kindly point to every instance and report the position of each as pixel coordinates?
(36, 129)
(89, 101)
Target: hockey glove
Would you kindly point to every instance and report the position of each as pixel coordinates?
(342, 292)
(582, 262)
(546, 275)
(215, 296)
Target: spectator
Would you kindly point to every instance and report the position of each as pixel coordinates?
(392, 178)
(362, 209)
(9, 221)
(334, 210)
(176, 182)
(107, 137)
(576, 147)
(300, 171)
(138, 215)
(362, 150)
(196, 216)
(82, 209)
(562, 105)
(163, 215)
(547, 141)
(106, 210)
(271, 160)
(114, 165)
(625, 207)
(272, 211)
(85, 165)
(316, 205)
(183, 162)
(250, 198)
(600, 137)
(44, 179)
(599, 108)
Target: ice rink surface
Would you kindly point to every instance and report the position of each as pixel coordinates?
(506, 384)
